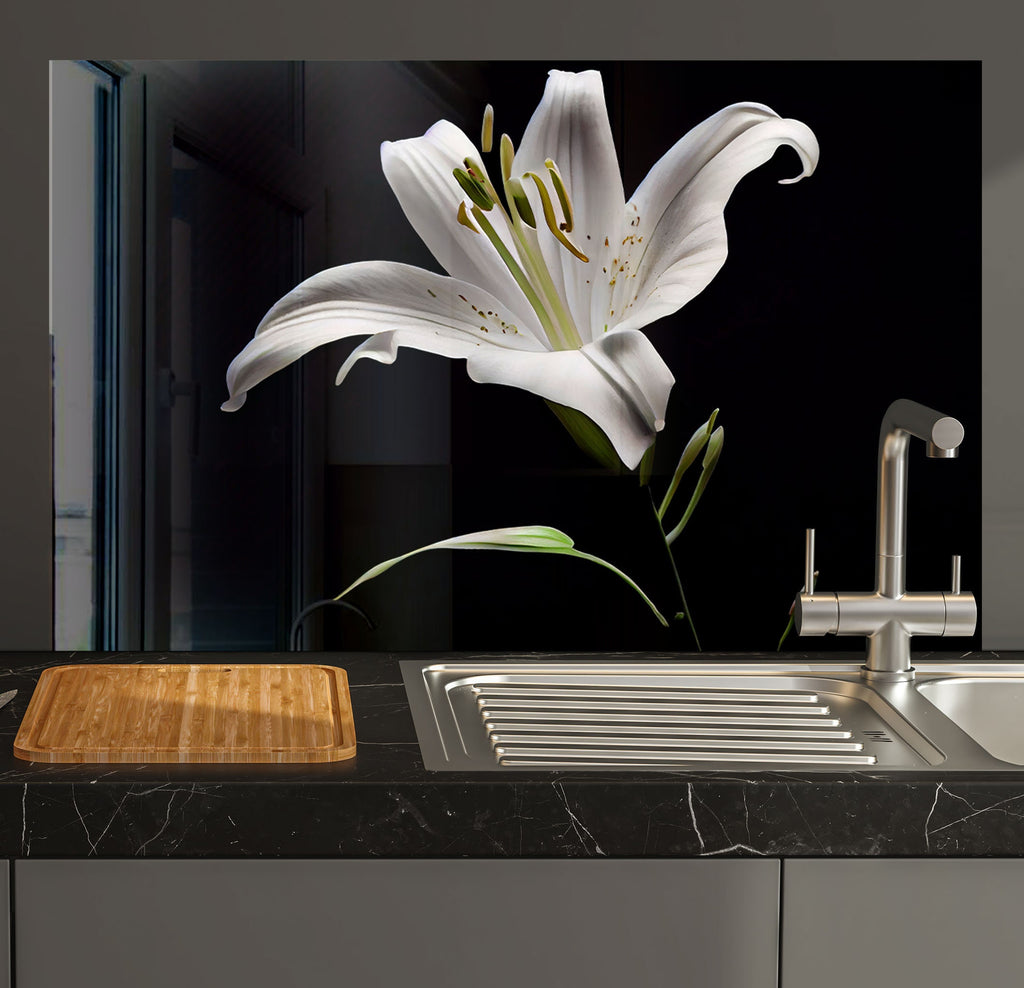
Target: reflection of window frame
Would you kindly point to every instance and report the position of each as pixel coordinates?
(150, 112)
(116, 223)
(118, 579)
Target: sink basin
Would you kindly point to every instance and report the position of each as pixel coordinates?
(594, 713)
(990, 710)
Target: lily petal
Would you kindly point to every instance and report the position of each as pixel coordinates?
(619, 381)
(412, 306)
(679, 206)
(419, 171)
(571, 127)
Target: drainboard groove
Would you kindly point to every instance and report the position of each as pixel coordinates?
(586, 724)
(665, 719)
(606, 759)
(502, 726)
(486, 703)
(509, 741)
(626, 693)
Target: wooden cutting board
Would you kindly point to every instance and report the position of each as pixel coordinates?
(188, 713)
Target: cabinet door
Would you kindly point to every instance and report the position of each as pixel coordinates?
(390, 923)
(940, 923)
(5, 924)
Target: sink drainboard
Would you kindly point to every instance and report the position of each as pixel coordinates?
(480, 716)
(548, 725)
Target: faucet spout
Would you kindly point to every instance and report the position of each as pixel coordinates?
(889, 616)
(942, 434)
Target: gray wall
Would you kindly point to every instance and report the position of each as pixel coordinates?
(875, 29)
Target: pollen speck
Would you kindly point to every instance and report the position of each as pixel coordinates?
(606, 241)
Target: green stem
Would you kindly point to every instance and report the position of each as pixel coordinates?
(675, 571)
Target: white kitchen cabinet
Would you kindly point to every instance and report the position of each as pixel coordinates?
(651, 923)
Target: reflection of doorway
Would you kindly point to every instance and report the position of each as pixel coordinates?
(227, 495)
(224, 499)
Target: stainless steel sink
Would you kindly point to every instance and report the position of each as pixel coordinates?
(586, 713)
(990, 710)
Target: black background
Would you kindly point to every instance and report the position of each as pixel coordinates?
(856, 286)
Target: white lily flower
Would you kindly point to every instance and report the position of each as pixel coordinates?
(552, 279)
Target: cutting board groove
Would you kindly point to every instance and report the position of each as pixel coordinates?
(218, 712)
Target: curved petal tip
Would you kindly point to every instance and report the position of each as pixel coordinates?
(233, 403)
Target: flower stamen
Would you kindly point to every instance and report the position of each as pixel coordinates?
(520, 277)
(463, 217)
(563, 196)
(507, 152)
(519, 201)
(552, 222)
(487, 130)
(474, 189)
(530, 270)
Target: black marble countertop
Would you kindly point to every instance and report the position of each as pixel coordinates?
(383, 803)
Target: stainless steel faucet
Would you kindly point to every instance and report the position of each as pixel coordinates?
(890, 615)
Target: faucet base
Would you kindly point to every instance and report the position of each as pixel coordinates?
(887, 676)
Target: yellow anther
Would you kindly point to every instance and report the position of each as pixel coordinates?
(519, 201)
(552, 222)
(562, 193)
(463, 217)
(473, 189)
(507, 152)
(487, 131)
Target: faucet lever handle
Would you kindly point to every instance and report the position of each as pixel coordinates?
(809, 562)
(956, 575)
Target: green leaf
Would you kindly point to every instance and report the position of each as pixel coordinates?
(690, 453)
(647, 465)
(792, 607)
(785, 634)
(714, 451)
(588, 436)
(529, 538)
